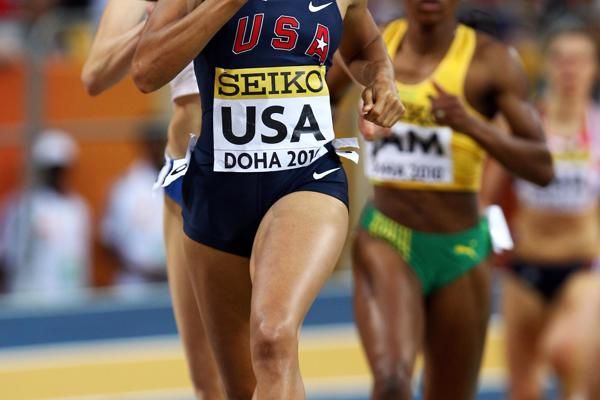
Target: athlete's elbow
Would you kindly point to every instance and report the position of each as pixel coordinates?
(144, 85)
(144, 76)
(545, 174)
(92, 88)
(91, 82)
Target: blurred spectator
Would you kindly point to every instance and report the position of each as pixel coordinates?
(33, 9)
(97, 7)
(18, 16)
(385, 11)
(81, 4)
(11, 43)
(132, 226)
(7, 8)
(45, 232)
(11, 33)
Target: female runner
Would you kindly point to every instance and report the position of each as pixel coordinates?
(420, 255)
(108, 62)
(265, 198)
(551, 298)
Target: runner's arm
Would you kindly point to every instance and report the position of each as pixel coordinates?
(364, 51)
(524, 153)
(339, 80)
(110, 57)
(496, 180)
(173, 37)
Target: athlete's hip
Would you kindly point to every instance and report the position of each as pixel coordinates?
(428, 211)
(224, 209)
(327, 170)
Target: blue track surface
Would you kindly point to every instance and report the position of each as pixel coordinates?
(483, 395)
(102, 319)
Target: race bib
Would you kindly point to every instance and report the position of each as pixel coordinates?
(412, 153)
(270, 119)
(572, 189)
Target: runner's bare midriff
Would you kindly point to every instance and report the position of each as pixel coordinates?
(553, 238)
(429, 211)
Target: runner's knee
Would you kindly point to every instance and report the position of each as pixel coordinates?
(272, 343)
(525, 390)
(562, 354)
(393, 385)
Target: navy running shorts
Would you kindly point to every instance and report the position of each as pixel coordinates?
(174, 191)
(223, 210)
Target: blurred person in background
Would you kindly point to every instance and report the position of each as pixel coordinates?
(421, 254)
(96, 9)
(17, 18)
(45, 231)
(11, 33)
(384, 11)
(132, 226)
(551, 301)
(108, 63)
(6, 7)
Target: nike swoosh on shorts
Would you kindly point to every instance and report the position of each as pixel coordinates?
(321, 175)
(313, 8)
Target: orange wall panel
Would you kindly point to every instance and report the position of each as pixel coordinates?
(12, 94)
(11, 171)
(66, 98)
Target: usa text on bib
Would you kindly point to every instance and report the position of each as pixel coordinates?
(270, 119)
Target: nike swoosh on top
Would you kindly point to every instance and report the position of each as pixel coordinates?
(313, 8)
(321, 175)
(177, 170)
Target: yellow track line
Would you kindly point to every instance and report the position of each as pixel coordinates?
(329, 358)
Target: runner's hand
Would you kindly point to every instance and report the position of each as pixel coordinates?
(371, 131)
(381, 104)
(448, 110)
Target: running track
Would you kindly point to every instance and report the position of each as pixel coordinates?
(102, 348)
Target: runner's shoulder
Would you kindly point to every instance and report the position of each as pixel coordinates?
(490, 49)
(502, 61)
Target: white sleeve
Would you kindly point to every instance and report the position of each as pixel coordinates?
(111, 224)
(13, 233)
(6, 219)
(185, 83)
(86, 243)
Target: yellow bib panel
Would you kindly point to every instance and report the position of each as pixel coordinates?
(420, 154)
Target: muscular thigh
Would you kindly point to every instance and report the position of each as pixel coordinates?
(385, 270)
(577, 312)
(203, 369)
(221, 282)
(296, 248)
(184, 302)
(525, 315)
(388, 303)
(390, 282)
(456, 322)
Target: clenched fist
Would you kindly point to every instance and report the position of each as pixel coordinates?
(381, 104)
